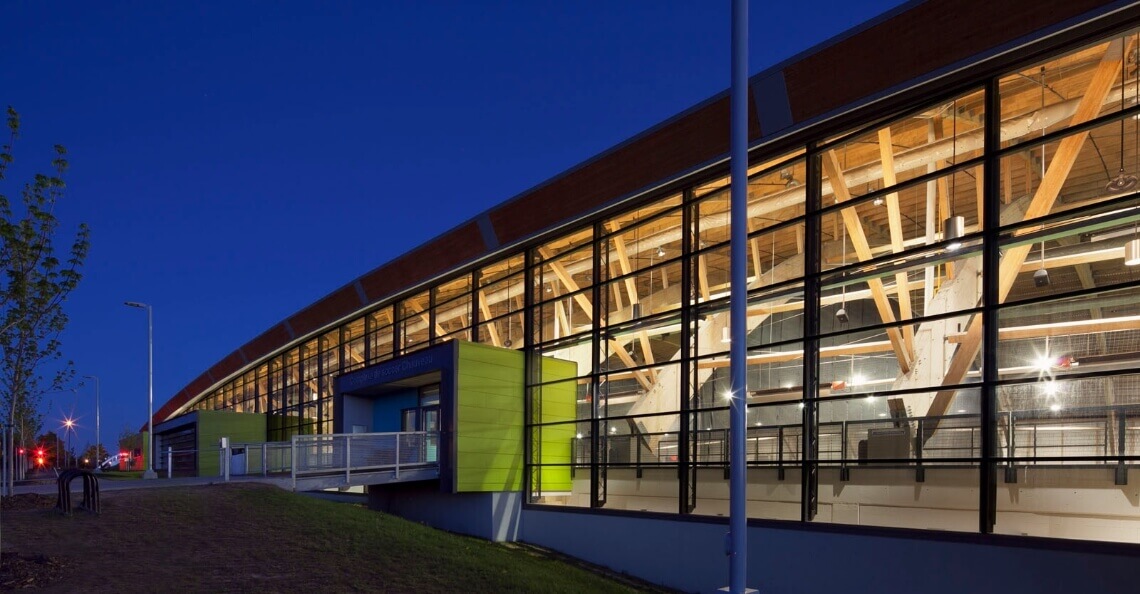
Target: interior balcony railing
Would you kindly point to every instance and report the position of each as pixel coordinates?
(1099, 436)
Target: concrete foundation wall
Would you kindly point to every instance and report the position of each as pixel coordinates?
(493, 516)
(689, 555)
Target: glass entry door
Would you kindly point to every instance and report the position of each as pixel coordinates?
(425, 417)
(430, 416)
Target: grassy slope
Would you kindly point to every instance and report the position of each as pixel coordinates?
(258, 538)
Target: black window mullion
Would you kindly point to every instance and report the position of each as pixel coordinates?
(991, 266)
(685, 469)
(809, 448)
(598, 445)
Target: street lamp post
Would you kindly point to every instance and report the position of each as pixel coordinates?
(148, 473)
(98, 443)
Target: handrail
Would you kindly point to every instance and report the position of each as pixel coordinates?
(357, 453)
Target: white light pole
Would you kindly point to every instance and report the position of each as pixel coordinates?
(98, 444)
(148, 473)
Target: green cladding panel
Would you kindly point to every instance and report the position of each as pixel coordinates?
(557, 398)
(213, 425)
(488, 419)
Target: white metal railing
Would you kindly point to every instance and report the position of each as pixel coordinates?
(349, 453)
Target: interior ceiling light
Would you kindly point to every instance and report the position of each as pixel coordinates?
(953, 228)
(841, 315)
(1041, 277)
(788, 178)
(1123, 181)
(660, 252)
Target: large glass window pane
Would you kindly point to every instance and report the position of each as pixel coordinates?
(451, 303)
(1066, 90)
(643, 293)
(415, 322)
(569, 273)
(641, 466)
(1069, 448)
(1091, 332)
(1078, 171)
(881, 466)
(380, 335)
(354, 339)
(493, 273)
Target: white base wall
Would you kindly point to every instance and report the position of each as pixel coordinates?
(493, 516)
(689, 555)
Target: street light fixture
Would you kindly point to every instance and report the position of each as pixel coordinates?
(68, 427)
(148, 473)
(98, 443)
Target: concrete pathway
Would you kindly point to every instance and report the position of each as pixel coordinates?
(45, 483)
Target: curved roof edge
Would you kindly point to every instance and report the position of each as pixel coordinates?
(940, 36)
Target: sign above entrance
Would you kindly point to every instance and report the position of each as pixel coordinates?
(404, 367)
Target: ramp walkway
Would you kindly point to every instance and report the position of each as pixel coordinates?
(356, 459)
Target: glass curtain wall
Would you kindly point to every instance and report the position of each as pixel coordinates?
(941, 313)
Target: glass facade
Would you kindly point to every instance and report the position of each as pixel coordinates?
(940, 315)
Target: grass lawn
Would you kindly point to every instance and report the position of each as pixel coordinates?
(238, 537)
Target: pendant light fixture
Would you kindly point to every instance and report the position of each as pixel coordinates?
(953, 227)
(1041, 277)
(841, 315)
(1123, 182)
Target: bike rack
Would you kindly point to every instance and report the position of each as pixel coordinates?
(90, 491)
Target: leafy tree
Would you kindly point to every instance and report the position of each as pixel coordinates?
(52, 445)
(93, 457)
(33, 287)
(130, 440)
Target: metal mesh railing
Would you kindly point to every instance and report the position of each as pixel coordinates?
(363, 452)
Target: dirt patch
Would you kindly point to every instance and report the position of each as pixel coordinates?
(29, 571)
(27, 501)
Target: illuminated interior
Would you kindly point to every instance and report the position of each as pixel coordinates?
(972, 322)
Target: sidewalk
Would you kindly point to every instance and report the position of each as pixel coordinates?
(46, 485)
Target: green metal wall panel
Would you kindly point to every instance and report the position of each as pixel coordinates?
(558, 400)
(488, 419)
(216, 424)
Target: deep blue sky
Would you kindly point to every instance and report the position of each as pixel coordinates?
(237, 161)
